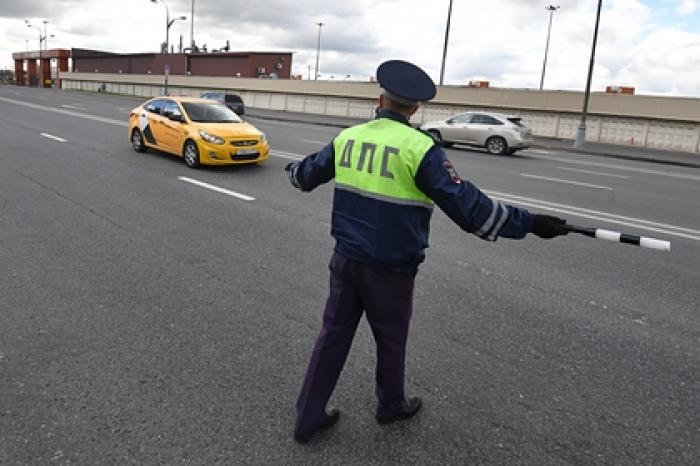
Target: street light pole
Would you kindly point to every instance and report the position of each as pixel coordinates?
(551, 9)
(41, 38)
(580, 140)
(444, 49)
(46, 37)
(167, 23)
(167, 31)
(318, 48)
(192, 28)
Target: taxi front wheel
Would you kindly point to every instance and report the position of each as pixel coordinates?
(137, 141)
(191, 154)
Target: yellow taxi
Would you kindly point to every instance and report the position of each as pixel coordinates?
(201, 131)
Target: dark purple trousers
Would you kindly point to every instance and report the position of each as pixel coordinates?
(387, 300)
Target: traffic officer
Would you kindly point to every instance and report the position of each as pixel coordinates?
(388, 176)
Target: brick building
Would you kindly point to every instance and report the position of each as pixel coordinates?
(43, 68)
(231, 64)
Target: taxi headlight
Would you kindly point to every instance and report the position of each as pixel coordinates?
(211, 138)
(263, 139)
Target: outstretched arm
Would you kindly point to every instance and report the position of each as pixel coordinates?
(473, 210)
(313, 170)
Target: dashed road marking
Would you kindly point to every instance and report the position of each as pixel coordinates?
(311, 141)
(62, 111)
(51, 136)
(218, 189)
(591, 172)
(559, 180)
(286, 155)
(649, 171)
(648, 225)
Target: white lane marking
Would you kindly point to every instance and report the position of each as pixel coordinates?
(85, 116)
(218, 189)
(51, 136)
(537, 151)
(286, 155)
(597, 215)
(568, 209)
(591, 211)
(591, 172)
(629, 169)
(559, 180)
(611, 218)
(311, 141)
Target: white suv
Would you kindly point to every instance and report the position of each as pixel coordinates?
(497, 133)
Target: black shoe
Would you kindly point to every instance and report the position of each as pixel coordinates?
(328, 421)
(410, 408)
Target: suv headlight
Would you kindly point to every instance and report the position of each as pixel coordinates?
(210, 137)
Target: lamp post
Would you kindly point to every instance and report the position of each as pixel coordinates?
(444, 49)
(192, 27)
(318, 48)
(167, 31)
(41, 37)
(46, 36)
(580, 140)
(168, 22)
(551, 9)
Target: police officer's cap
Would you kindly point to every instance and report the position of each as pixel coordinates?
(405, 83)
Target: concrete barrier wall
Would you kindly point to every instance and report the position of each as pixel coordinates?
(670, 123)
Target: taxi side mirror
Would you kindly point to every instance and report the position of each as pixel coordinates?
(176, 117)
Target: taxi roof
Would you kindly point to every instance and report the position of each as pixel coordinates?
(183, 98)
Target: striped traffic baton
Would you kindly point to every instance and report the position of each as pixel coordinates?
(608, 235)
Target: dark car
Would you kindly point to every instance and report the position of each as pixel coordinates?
(232, 101)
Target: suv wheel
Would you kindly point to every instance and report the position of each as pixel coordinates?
(496, 145)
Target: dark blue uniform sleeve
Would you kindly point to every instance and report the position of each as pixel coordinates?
(465, 204)
(314, 170)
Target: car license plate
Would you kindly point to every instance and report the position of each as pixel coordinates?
(247, 152)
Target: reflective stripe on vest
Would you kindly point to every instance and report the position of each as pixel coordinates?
(379, 159)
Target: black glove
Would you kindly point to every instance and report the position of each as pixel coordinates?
(548, 227)
(291, 170)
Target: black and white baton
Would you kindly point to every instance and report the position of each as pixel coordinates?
(608, 235)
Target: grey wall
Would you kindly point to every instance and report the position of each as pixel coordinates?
(669, 123)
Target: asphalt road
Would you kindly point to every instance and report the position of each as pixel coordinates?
(148, 320)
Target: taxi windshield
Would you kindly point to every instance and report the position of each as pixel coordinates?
(205, 112)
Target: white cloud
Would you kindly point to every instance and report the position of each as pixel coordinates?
(687, 7)
(500, 40)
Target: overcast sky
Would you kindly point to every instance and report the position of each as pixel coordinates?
(653, 45)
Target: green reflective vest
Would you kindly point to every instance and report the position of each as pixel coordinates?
(379, 159)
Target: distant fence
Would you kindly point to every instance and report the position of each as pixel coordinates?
(669, 123)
